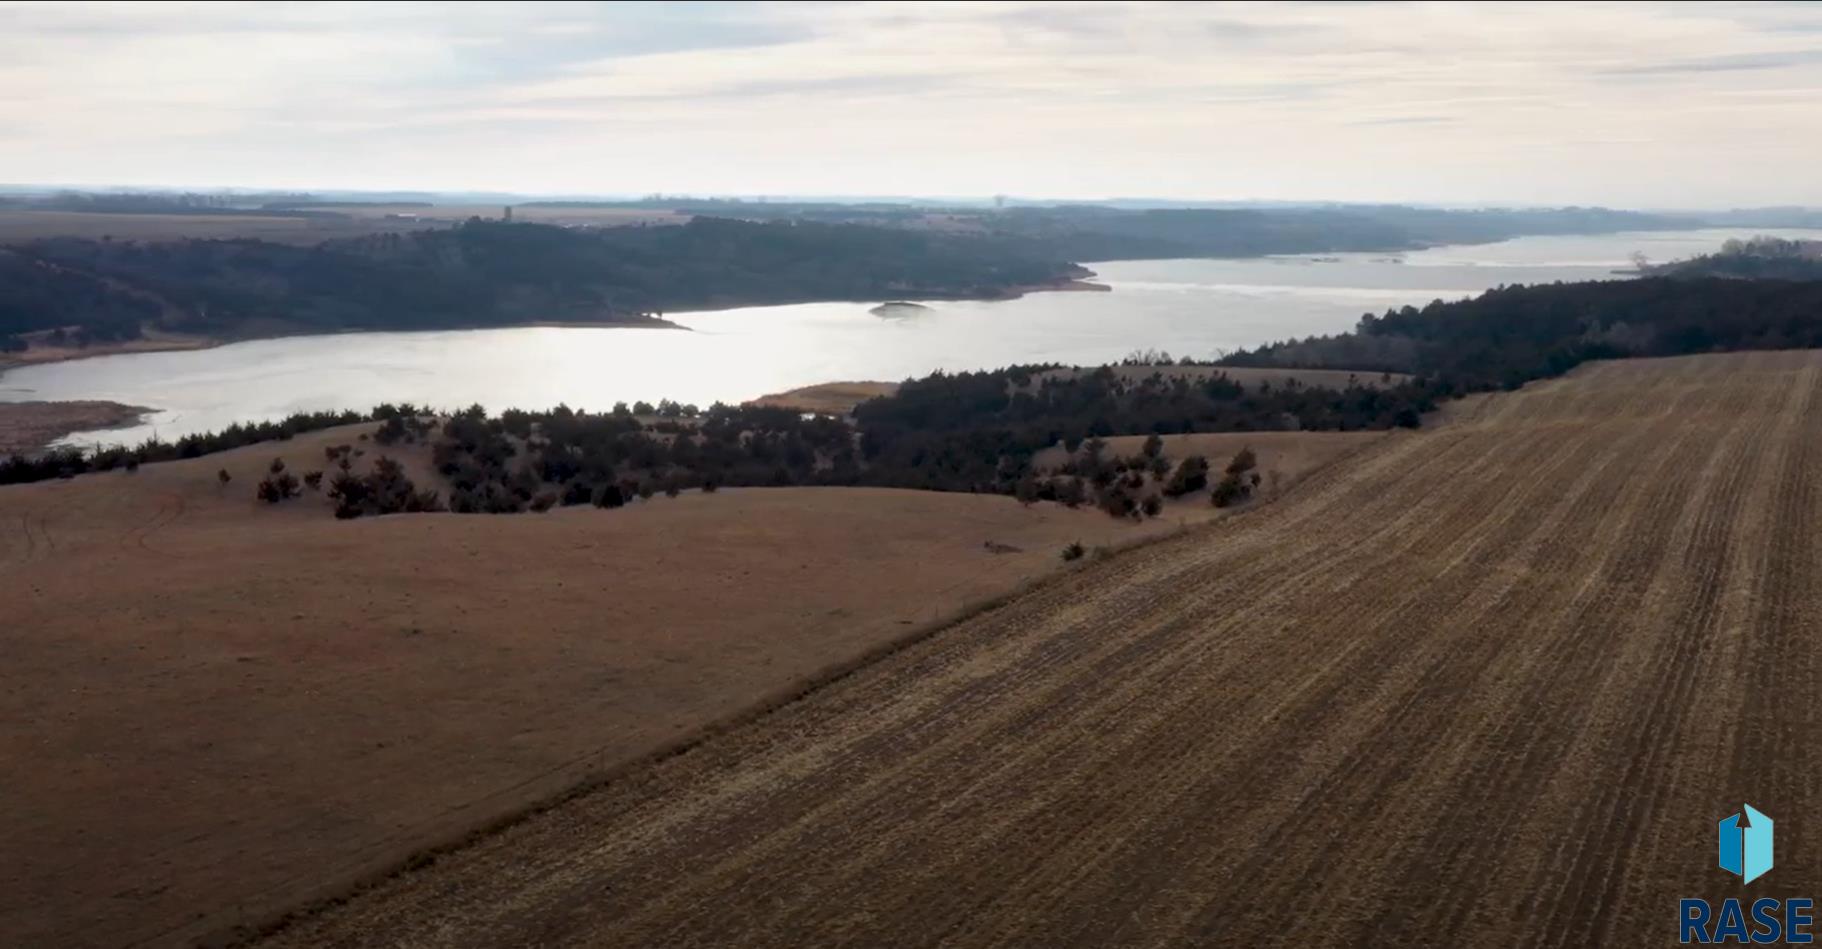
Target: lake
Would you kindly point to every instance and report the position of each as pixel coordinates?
(1187, 307)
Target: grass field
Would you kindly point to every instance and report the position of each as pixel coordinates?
(1486, 685)
(219, 708)
(830, 398)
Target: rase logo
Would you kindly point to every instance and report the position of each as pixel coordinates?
(1746, 844)
(1745, 850)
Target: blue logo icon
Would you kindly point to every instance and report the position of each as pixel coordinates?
(1745, 845)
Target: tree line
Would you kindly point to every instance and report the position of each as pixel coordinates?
(489, 273)
(1513, 335)
(1120, 232)
(70, 461)
(1760, 257)
(979, 431)
(976, 431)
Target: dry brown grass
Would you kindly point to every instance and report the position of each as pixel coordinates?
(829, 398)
(1487, 685)
(222, 708)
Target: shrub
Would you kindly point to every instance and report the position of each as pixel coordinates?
(391, 431)
(1116, 502)
(1191, 475)
(1074, 551)
(1152, 506)
(1027, 489)
(386, 490)
(280, 487)
(1230, 491)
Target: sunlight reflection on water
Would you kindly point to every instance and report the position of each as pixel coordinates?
(1188, 307)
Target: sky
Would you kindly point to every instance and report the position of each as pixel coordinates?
(1629, 105)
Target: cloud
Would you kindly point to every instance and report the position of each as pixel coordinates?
(1407, 120)
(1734, 63)
(1591, 103)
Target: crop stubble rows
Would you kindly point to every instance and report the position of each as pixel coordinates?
(1486, 685)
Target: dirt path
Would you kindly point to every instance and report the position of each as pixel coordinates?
(1490, 685)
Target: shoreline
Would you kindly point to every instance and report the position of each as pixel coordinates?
(29, 428)
(45, 422)
(173, 342)
(1068, 285)
(156, 343)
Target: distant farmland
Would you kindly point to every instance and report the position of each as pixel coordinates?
(326, 223)
(1490, 684)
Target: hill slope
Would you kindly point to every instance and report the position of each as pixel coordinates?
(1487, 685)
(224, 707)
(485, 273)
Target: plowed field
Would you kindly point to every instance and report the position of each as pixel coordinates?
(1487, 685)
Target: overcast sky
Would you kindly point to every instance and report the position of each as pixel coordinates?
(1673, 105)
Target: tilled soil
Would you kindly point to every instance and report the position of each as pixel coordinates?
(1487, 685)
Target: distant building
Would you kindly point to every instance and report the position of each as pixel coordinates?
(507, 217)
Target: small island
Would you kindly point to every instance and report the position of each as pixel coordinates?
(899, 309)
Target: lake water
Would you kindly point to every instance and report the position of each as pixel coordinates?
(1187, 307)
